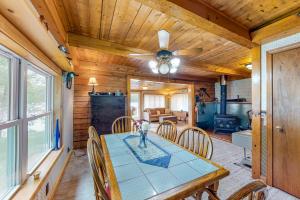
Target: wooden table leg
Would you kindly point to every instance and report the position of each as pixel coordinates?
(214, 188)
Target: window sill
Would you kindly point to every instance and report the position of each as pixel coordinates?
(31, 187)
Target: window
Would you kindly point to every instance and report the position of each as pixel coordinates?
(25, 119)
(38, 111)
(154, 101)
(179, 102)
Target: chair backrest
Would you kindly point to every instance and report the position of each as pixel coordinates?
(255, 190)
(93, 134)
(167, 129)
(98, 169)
(197, 141)
(123, 124)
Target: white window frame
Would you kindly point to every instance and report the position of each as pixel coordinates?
(154, 95)
(13, 118)
(18, 112)
(49, 112)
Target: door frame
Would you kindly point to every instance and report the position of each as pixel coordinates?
(269, 111)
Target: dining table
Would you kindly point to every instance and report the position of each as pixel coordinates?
(160, 170)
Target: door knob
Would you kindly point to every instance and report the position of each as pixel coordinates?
(279, 128)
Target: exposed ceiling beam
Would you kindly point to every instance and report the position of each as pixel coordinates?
(102, 45)
(13, 39)
(121, 50)
(205, 17)
(26, 29)
(123, 70)
(50, 17)
(218, 69)
(279, 29)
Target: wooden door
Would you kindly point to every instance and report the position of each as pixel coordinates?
(286, 121)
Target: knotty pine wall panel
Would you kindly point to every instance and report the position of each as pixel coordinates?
(108, 82)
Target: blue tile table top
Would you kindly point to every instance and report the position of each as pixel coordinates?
(142, 173)
(153, 154)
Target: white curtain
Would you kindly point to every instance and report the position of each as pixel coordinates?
(180, 102)
(154, 101)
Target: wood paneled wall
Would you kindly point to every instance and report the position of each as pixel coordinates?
(108, 81)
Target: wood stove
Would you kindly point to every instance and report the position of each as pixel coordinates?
(222, 121)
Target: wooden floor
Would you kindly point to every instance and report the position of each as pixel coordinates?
(77, 181)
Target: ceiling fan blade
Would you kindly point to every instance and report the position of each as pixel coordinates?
(187, 52)
(163, 39)
(142, 56)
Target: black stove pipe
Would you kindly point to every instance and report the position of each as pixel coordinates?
(223, 85)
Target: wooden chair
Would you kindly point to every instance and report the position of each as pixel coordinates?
(98, 170)
(255, 190)
(94, 134)
(167, 129)
(123, 124)
(196, 140)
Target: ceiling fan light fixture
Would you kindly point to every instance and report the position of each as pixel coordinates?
(163, 37)
(155, 70)
(164, 68)
(152, 64)
(173, 70)
(175, 62)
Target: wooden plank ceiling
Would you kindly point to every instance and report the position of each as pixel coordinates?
(254, 13)
(133, 24)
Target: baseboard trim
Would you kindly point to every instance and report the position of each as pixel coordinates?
(51, 196)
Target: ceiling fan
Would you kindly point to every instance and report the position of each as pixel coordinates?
(166, 61)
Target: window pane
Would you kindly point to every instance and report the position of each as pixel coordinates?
(38, 140)
(4, 88)
(36, 93)
(179, 102)
(154, 101)
(8, 160)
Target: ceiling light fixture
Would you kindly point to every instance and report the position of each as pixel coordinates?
(145, 87)
(165, 63)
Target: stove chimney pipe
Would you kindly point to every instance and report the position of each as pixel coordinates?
(223, 85)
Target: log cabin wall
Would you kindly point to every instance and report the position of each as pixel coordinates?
(108, 81)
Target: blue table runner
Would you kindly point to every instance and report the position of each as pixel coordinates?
(153, 154)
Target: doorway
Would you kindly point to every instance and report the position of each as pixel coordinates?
(154, 100)
(284, 126)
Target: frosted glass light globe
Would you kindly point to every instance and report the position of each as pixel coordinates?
(155, 70)
(175, 62)
(164, 68)
(173, 70)
(152, 64)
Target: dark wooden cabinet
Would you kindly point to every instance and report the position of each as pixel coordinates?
(105, 109)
